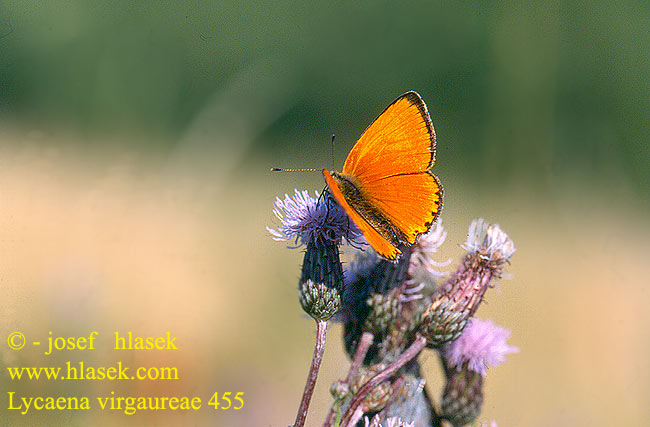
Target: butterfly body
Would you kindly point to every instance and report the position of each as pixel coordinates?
(385, 185)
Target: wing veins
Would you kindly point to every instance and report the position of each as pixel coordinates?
(403, 174)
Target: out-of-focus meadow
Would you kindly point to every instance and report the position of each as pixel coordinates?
(135, 148)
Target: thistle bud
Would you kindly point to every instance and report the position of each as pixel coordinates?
(489, 248)
(321, 281)
(378, 397)
(462, 397)
(339, 390)
(383, 310)
(466, 360)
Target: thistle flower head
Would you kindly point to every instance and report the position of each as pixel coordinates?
(321, 225)
(306, 219)
(482, 344)
(489, 243)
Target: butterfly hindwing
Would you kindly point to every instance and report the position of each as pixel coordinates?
(374, 238)
(411, 202)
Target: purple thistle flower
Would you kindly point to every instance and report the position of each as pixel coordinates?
(482, 344)
(307, 219)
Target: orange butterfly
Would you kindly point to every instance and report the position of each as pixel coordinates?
(386, 186)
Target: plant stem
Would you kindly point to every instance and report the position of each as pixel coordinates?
(360, 353)
(329, 421)
(319, 348)
(362, 349)
(355, 417)
(410, 353)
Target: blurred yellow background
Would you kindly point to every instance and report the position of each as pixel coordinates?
(135, 148)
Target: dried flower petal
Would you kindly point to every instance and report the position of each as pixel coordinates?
(489, 242)
(423, 251)
(423, 268)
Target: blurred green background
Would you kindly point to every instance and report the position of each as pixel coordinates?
(135, 144)
(531, 91)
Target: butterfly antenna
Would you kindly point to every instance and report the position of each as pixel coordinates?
(326, 200)
(294, 170)
(321, 197)
(333, 136)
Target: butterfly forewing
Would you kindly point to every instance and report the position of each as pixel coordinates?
(401, 140)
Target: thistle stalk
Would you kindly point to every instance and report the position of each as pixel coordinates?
(317, 358)
(359, 355)
(410, 353)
